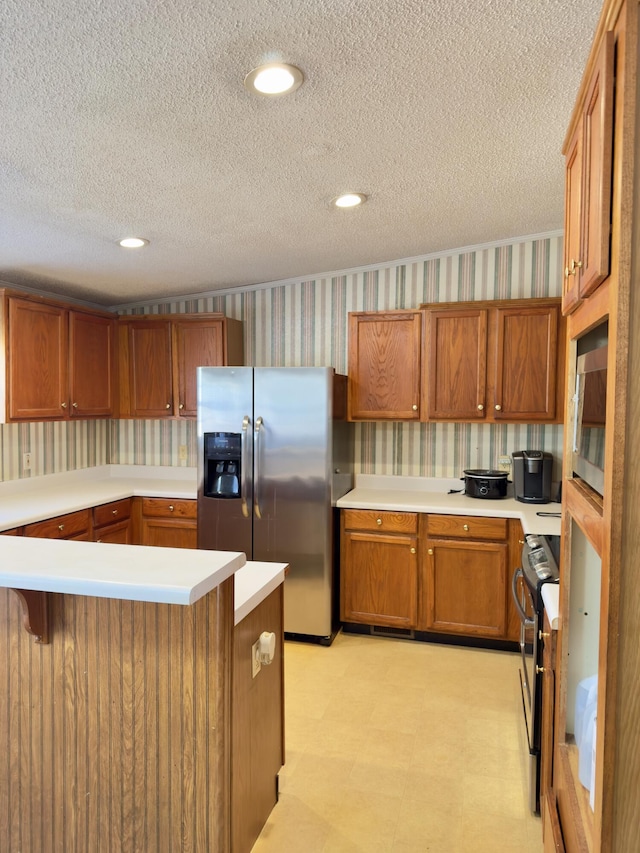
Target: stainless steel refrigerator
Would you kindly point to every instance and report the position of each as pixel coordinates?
(274, 455)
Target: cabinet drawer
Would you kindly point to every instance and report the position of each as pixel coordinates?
(467, 527)
(389, 522)
(168, 508)
(62, 527)
(108, 513)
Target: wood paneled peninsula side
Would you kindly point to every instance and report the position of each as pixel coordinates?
(116, 732)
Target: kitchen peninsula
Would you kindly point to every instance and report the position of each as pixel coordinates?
(116, 725)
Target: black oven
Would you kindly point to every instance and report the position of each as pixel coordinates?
(540, 559)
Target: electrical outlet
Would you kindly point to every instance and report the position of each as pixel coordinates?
(504, 463)
(255, 658)
(26, 461)
(182, 452)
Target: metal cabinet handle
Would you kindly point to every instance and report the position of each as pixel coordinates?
(413, 550)
(465, 526)
(61, 527)
(257, 465)
(430, 552)
(414, 407)
(168, 406)
(539, 669)
(520, 541)
(573, 268)
(170, 507)
(378, 521)
(64, 405)
(544, 635)
(75, 405)
(498, 407)
(480, 407)
(114, 512)
(243, 466)
(181, 406)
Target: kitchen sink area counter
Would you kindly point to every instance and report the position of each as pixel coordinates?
(431, 495)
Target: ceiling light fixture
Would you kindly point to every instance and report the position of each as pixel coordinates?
(275, 78)
(133, 243)
(349, 200)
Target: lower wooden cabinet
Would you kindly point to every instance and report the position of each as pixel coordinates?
(548, 708)
(166, 523)
(436, 573)
(112, 523)
(73, 525)
(379, 583)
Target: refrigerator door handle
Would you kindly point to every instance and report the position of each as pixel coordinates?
(243, 465)
(257, 461)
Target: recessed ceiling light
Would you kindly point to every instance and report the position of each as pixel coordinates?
(275, 78)
(350, 199)
(133, 243)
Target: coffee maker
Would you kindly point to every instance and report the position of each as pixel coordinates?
(532, 476)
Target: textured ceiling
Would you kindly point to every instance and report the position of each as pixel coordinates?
(124, 118)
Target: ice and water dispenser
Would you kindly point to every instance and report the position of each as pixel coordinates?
(222, 460)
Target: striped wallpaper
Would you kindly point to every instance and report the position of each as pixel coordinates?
(303, 322)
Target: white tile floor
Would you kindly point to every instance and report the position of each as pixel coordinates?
(396, 746)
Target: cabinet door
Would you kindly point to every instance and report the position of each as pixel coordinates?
(380, 580)
(169, 533)
(526, 364)
(150, 369)
(457, 364)
(466, 587)
(598, 162)
(118, 533)
(385, 366)
(572, 221)
(37, 361)
(196, 344)
(91, 365)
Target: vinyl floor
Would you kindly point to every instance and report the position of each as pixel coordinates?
(394, 746)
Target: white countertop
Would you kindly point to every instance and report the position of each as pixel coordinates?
(430, 494)
(35, 499)
(253, 583)
(105, 570)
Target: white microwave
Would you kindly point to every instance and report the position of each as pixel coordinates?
(590, 410)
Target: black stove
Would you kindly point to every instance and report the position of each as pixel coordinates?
(540, 560)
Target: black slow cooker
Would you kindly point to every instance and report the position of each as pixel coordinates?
(484, 483)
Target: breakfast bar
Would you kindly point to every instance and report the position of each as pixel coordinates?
(116, 722)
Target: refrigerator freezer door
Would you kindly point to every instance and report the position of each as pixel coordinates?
(292, 500)
(225, 406)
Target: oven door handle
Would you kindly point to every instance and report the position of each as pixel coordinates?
(514, 592)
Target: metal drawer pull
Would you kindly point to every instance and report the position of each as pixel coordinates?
(114, 512)
(414, 407)
(64, 405)
(61, 527)
(430, 552)
(539, 669)
(181, 406)
(465, 526)
(413, 550)
(170, 507)
(480, 407)
(378, 521)
(498, 407)
(75, 405)
(544, 635)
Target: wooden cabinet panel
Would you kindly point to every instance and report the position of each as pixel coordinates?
(159, 355)
(70, 526)
(38, 384)
(169, 533)
(92, 365)
(197, 344)
(548, 707)
(150, 374)
(526, 371)
(466, 526)
(551, 830)
(383, 521)
(588, 183)
(495, 361)
(457, 363)
(118, 533)
(380, 579)
(114, 511)
(466, 587)
(385, 358)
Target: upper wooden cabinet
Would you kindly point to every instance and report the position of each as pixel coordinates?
(60, 361)
(385, 361)
(588, 183)
(495, 361)
(159, 356)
